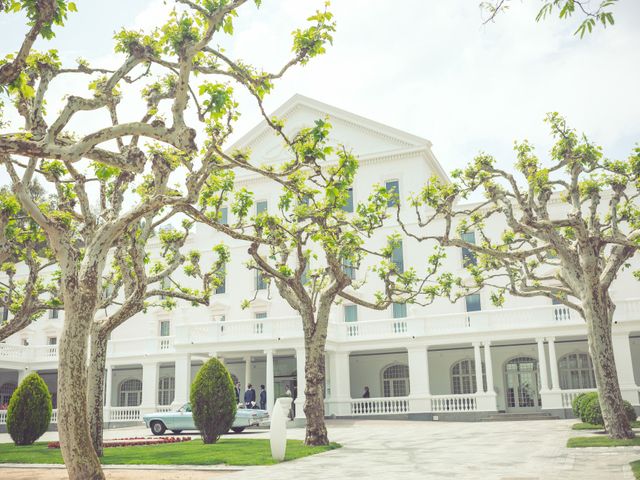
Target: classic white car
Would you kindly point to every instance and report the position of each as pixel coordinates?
(182, 419)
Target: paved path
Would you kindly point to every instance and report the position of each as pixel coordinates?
(376, 449)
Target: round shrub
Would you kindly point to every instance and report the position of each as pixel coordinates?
(213, 401)
(29, 410)
(592, 413)
(581, 400)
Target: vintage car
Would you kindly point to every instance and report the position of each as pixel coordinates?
(182, 419)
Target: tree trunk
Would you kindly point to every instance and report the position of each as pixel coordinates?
(316, 432)
(95, 388)
(599, 316)
(75, 439)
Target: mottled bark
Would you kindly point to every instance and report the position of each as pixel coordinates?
(599, 315)
(316, 429)
(95, 385)
(73, 426)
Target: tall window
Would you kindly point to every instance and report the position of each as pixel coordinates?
(393, 187)
(5, 314)
(576, 371)
(222, 288)
(348, 268)
(224, 215)
(165, 328)
(261, 284)
(261, 207)
(53, 313)
(260, 315)
(397, 257)
(350, 313)
(348, 207)
(473, 302)
(166, 390)
(399, 310)
(395, 381)
(6, 390)
(52, 340)
(468, 257)
(130, 393)
(463, 377)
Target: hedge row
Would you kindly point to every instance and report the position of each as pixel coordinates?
(586, 407)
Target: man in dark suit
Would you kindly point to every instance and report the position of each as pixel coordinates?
(263, 398)
(249, 396)
(237, 389)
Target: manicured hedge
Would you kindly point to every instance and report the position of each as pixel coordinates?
(213, 401)
(588, 407)
(29, 411)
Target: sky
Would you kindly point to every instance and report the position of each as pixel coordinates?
(429, 67)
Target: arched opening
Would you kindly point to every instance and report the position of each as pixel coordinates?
(130, 393)
(463, 377)
(395, 380)
(576, 371)
(521, 384)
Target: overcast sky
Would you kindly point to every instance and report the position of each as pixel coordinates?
(428, 67)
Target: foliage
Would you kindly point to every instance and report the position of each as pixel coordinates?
(29, 410)
(213, 400)
(227, 451)
(580, 400)
(590, 411)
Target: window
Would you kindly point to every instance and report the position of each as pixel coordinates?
(5, 314)
(576, 371)
(261, 207)
(165, 328)
(393, 187)
(348, 207)
(468, 257)
(25, 342)
(348, 268)
(166, 390)
(261, 315)
(53, 313)
(6, 390)
(52, 340)
(261, 284)
(350, 313)
(473, 302)
(395, 381)
(463, 377)
(224, 216)
(399, 310)
(396, 257)
(556, 301)
(130, 393)
(222, 288)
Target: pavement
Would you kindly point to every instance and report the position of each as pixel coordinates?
(407, 450)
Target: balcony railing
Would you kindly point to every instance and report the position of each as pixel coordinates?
(380, 406)
(454, 403)
(569, 395)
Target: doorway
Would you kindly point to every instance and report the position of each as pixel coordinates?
(521, 381)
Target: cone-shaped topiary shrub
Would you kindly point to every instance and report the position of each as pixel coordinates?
(213, 401)
(29, 410)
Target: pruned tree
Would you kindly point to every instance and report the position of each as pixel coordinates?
(80, 234)
(569, 226)
(308, 247)
(590, 16)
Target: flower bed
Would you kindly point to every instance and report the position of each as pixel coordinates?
(128, 442)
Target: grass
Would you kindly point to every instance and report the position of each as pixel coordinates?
(591, 426)
(226, 451)
(635, 468)
(601, 441)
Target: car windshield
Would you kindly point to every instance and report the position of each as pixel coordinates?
(185, 408)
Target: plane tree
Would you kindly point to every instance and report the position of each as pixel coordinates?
(567, 227)
(160, 67)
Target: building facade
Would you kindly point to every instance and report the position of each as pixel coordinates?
(443, 361)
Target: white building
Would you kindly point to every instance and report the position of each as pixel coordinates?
(419, 362)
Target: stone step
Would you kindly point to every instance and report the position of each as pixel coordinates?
(509, 417)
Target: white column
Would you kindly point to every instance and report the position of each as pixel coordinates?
(183, 379)
(488, 365)
(247, 371)
(478, 363)
(624, 366)
(149, 387)
(109, 386)
(542, 365)
(269, 386)
(340, 383)
(23, 372)
(301, 382)
(418, 379)
(553, 360)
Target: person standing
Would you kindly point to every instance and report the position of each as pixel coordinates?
(263, 398)
(288, 394)
(366, 393)
(249, 396)
(237, 389)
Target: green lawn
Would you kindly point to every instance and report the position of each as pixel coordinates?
(635, 467)
(591, 426)
(601, 441)
(226, 451)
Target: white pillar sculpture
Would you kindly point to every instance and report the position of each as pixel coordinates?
(278, 428)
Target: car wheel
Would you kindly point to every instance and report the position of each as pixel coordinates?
(238, 429)
(176, 431)
(158, 428)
